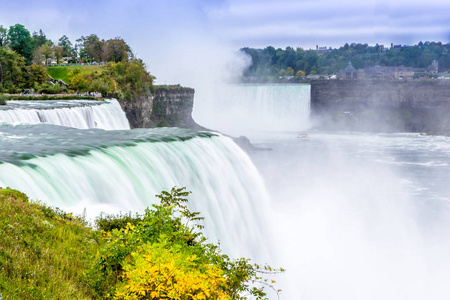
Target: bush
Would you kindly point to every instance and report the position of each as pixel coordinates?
(163, 255)
(2, 100)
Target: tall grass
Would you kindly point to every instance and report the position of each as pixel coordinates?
(44, 252)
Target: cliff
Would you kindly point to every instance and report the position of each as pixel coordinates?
(382, 106)
(168, 106)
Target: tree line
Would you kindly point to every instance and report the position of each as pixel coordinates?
(37, 48)
(270, 62)
(25, 56)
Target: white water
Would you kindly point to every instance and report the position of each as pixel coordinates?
(71, 113)
(116, 171)
(254, 110)
(354, 216)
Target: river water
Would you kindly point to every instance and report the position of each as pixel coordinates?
(352, 215)
(360, 216)
(349, 215)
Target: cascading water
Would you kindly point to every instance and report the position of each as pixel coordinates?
(122, 170)
(254, 109)
(72, 113)
(354, 216)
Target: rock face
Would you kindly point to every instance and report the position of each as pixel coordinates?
(382, 106)
(168, 106)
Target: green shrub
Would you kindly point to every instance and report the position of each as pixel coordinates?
(2, 100)
(107, 222)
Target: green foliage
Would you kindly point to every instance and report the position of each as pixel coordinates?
(110, 222)
(20, 41)
(47, 88)
(125, 77)
(273, 62)
(166, 249)
(11, 70)
(62, 72)
(2, 100)
(44, 252)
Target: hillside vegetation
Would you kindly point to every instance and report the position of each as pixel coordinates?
(46, 253)
(93, 65)
(62, 72)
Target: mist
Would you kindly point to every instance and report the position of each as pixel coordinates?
(346, 221)
(351, 225)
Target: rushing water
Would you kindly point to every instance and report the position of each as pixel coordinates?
(254, 110)
(354, 215)
(122, 170)
(350, 216)
(81, 114)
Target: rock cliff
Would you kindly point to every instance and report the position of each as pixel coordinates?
(167, 106)
(382, 106)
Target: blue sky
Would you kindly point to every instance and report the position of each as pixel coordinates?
(175, 37)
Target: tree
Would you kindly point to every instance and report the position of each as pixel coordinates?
(21, 42)
(66, 45)
(77, 80)
(58, 51)
(3, 37)
(11, 70)
(47, 51)
(35, 76)
(39, 39)
(93, 48)
(116, 50)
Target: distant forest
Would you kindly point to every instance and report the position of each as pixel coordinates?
(269, 62)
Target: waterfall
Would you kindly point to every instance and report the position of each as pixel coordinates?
(252, 109)
(116, 171)
(71, 113)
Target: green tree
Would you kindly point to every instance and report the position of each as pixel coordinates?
(3, 37)
(117, 50)
(77, 81)
(39, 39)
(11, 70)
(66, 45)
(47, 51)
(59, 53)
(21, 42)
(93, 49)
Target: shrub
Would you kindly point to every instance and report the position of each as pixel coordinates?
(2, 100)
(164, 255)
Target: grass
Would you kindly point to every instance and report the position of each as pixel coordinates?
(62, 72)
(44, 252)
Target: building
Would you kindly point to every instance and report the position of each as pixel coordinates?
(385, 73)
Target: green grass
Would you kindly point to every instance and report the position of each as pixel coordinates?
(62, 72)
(44, 252)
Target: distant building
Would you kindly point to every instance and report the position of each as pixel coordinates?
(385, 73)
(322, 50)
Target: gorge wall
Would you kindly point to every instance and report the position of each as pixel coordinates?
(382, 106)
(168, 106)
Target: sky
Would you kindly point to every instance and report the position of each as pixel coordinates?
(176, 38)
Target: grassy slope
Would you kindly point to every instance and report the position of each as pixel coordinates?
(44, 253)
(62, 72)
